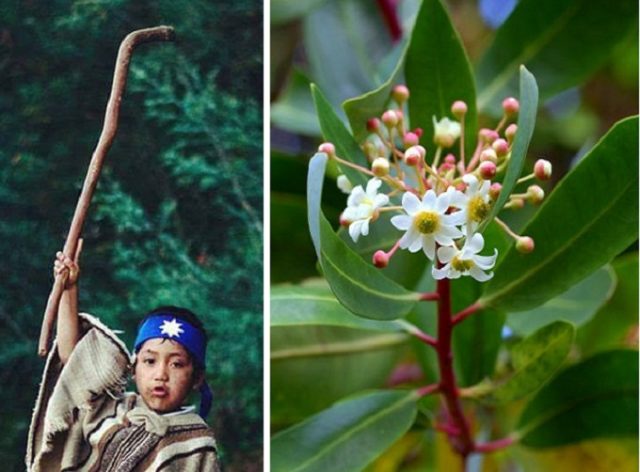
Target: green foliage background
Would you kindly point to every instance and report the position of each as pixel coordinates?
(177, 217)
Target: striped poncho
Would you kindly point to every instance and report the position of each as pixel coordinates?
(83, 420)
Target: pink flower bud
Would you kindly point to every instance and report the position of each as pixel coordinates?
(494, 190)
(510, 132)
(390, 118)
(459, 109)
(380, 167)
(510, 106)
(344, 221)
(535, 194)
(380, 259)
(501, 147)
(328, 148)
(487, 135)
(413, 155)
(487, 170)
(450, 159)
(418, 132)
(410, 139)
(525, 245)
(373, 125)
(400, 93)
(488, 155)
(542, 169)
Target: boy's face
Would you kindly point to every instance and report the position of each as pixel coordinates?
(163, 374)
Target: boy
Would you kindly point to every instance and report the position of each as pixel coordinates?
(83, 419)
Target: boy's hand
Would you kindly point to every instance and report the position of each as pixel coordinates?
(68, 268)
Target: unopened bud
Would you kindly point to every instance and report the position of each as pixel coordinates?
(510, 106)
(418, 132)
(494, 190)
(410, 139)
(390, 118)
(380, 259)
(344, 184)
(445, 132)
(525, 244)
(488, 155)
(487, 135)
(542, 169)
(459, 109)
(373, 125)
(501, 147)
(413, 155)
(328, 148)
(344, 221)
(487, 170)
(450, 159)
(380, 167)
(510, 132)
(400, 94)
(535, 194)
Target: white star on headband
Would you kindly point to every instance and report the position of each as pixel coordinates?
(171, 328)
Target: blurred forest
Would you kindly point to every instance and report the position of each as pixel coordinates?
(177, 216)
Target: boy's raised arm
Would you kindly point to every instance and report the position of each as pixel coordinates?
(68, 330)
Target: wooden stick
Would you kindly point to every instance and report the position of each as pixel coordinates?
(160, 33)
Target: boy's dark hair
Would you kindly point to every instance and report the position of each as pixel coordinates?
(184, 315)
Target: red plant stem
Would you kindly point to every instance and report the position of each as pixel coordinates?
(429, 296)
(495, 445)
(425, 338)
(463, 442)
(388, 8)
(428, 389)
(470, 310)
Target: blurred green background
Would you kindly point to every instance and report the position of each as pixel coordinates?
(177, 216)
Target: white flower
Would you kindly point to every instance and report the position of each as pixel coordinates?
(474, 203)
(445, 132)
(361, 207)
(465, 261)
(344, 184)
(426, 222)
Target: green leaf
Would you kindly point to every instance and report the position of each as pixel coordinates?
(347, 436)
(560, 41)
(335, 132)
(597, 398)
(615, 325)
(590, 217)
(577, 305)
(438, 73)
(282, 11)
(294, 110)
(317, 306)
(371, 104)
(534, 360)
(357, 284)
(526, 124)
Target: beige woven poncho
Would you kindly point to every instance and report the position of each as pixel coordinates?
(83, 421)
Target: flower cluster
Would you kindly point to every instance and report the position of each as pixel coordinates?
(440, 203)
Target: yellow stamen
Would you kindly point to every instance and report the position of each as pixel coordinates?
(478, 209)
(427, 222)
(461, 265)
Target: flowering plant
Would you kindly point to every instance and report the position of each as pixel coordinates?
(427, 250)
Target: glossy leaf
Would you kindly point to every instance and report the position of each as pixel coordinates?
(560, 41)
(314, 365)
(357, 284)
(534, 360)
(317, 306)
(347, 436)
(294, 110)
(590, 217)
(577, 305)
(335, 131)
(282, 11)
(371, 104)
(597, 398)
(526, 123)
(616, 324)
(438, 73)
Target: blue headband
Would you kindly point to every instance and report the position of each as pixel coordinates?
(168, 326)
